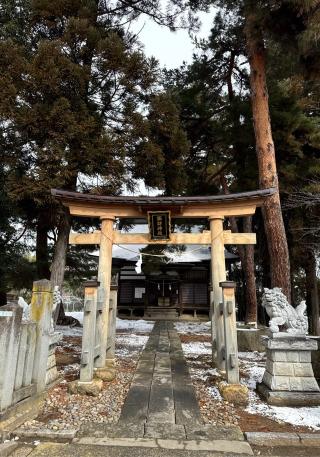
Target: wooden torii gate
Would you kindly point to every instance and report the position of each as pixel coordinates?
(215, 208)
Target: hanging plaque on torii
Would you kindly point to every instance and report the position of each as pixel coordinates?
(159, 225)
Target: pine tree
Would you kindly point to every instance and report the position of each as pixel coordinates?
(69, 88)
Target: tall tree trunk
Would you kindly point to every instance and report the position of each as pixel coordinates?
(312, 293)
(246, 254)
(42, 254)
(3, 297)
(273, 221)
(59, 259)
(250, 278)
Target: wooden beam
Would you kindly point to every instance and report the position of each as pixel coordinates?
(85, 238)
(205, 210)
(175, 238)
(239, 238)
(102, 212)
(218, 211)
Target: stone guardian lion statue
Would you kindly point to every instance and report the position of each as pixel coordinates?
(281, 313)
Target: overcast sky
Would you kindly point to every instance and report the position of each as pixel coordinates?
(170, 48)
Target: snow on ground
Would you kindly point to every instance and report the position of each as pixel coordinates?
(196, 328)
(130, 345)
(308, 417)
(196, 348)
(137, 326)
(252, 366)
(77, 315)
(69, 331)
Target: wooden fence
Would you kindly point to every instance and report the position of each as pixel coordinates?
(24, 347)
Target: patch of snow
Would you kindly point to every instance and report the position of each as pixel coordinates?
(255, 355)
(137, 326)
(253, 364)
(255, 376)
(214, 392)
(76, 314)
(196, 347)
(242, 329)
(69, 331)
(70, 368)
(202, 375)
(196, 328)
(302, 416)
(130, 345)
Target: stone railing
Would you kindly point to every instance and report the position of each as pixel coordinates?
(24, 350)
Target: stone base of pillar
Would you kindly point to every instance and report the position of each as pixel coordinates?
(238, 394)
(110, 363)
(283, 398)
(289, 379)
(108, 373)
(93, 387)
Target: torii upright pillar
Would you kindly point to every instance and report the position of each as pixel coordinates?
(218, 274)
(104, 277)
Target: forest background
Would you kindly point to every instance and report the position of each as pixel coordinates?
(82, 108)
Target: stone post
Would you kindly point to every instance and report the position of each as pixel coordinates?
(112, 326)
(230, 331)
(10, 323)
(41, 313)
(218, 274)
(104, 277)
(89, 331)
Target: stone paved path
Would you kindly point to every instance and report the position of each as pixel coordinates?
(161, 410)
(161, 392)
(161, 403)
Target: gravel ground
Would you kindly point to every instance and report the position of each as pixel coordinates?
(213, 408)
(62, 410)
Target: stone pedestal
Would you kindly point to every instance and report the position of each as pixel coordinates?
(289, 379)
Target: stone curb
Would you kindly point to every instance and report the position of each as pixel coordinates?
(242, 447)
(7, 448)
(44, 433)
(279, 439)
